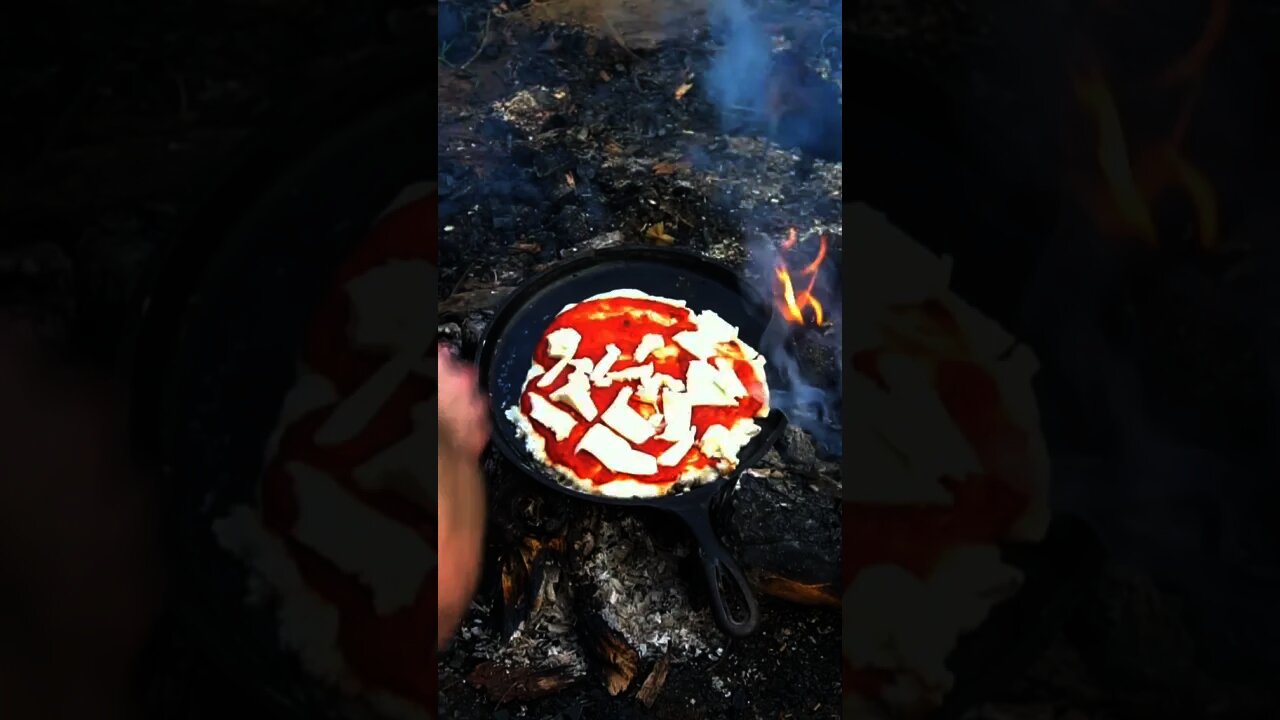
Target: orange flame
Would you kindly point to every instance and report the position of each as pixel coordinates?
(791, 303)
(1136, 176)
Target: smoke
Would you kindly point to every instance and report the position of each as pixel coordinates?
(739, 73)
(777, 93)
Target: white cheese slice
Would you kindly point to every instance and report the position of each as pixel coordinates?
(674, 454)
(600, 374)
(388, 557)
(721, 442)
(550, 376)
(678, 411)
(625, 420)
(728, 380)
(648, 344)
(576, 393)
(582, 365)
(631, 489)
(563, 343)
(639, 372)
(534, 371)
(703, 388)
(559, 422)
(656, 420)
(696, 343)
(651, 386)
(615, 452)
(714, 327)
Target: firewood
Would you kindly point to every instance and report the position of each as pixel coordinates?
(648, 692)
(507, 684)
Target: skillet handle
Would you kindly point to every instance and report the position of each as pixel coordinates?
(717, 562)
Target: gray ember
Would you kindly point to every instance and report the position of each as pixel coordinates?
(640, 593)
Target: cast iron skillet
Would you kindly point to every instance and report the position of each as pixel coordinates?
(507, 349)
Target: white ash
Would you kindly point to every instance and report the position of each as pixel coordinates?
(643, 596)
(529, 108)
(544, 641)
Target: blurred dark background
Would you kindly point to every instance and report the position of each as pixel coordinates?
(120, 120)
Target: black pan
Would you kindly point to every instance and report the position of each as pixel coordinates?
(507, 349)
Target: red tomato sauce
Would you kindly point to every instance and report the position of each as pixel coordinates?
(393, 652)
(626, 321)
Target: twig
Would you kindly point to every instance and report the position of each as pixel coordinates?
(484, 40)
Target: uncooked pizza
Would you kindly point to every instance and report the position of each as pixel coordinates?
(632, 395)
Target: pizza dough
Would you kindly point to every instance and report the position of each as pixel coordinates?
(633, 395)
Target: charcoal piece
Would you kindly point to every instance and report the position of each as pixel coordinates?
(523, 569)
(504, 684)
(653, 684)
(796, 448)
(472, 330)
(449, 333)
(819, 359)
(617, 659)
(786, 534)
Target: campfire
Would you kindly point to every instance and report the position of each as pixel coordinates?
(792, 304)
(591, 137)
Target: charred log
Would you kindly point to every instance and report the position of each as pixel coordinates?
(523, 580)
(787, 533)
(617, 660)
(504, 684)
(653, 684)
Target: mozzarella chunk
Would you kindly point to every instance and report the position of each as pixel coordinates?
(715, 327)
(390, 558)
(600, 375)
(648, 344)
(563, 343)
(559, 422)
(576, 393)
(534, 371)
(615, 452)
(696, 343)
(678, 411)
(712, 330)
(550, 376)
(703, 388)
(632, 489)
(721, 442)
(639, 372)
(623, 418)
(651, 386)
(728, 380)
(674, 454)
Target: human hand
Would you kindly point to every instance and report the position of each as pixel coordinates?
(464, 412)
(460, 511)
